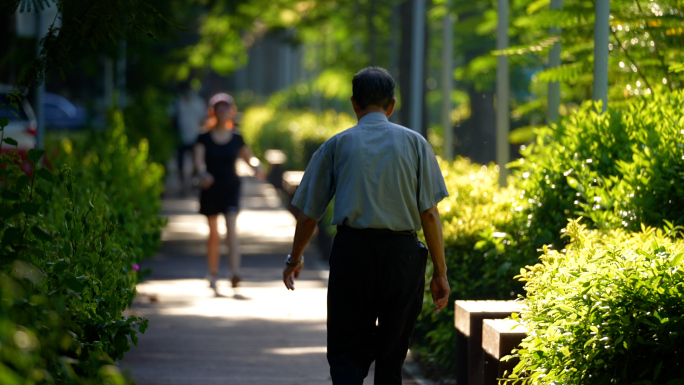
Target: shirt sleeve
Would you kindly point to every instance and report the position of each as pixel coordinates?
(317, 188)
(431, 186)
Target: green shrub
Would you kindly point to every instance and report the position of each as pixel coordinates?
(482, 250)
(618, 169)
(607, 310)
(147, 119)
(71, 242)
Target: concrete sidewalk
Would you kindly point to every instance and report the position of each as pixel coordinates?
(257, 334)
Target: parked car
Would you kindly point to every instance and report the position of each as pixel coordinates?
(22, 122)
(21, 128)
(61, 114)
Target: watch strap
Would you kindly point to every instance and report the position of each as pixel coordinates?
(291, 264)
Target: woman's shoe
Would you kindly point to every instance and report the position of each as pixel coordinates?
(212, 283)
(235, 280)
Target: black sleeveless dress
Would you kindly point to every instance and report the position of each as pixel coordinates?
(224, 195)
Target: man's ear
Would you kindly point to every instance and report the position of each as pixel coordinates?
(390, 109)
(355, 105)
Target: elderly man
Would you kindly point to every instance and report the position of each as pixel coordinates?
(387, 184)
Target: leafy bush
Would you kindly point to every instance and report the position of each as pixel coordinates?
(71, 242)
(482, 250)
(297, 133)
(608, 310)
(618, 169)
(147, 119)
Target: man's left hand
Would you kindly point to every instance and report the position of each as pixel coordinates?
(290, 274)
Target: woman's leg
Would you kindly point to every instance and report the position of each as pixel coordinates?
(233, 244)
(213, 243)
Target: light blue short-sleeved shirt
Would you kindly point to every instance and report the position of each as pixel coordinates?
(382, 176)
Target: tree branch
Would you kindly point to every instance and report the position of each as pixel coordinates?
(624, 49)
(657, 51)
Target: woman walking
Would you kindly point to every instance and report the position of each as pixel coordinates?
(214, 155)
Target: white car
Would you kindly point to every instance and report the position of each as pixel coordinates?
(22, 123)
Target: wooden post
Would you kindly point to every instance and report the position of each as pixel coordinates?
(499, 338)
(468, 317)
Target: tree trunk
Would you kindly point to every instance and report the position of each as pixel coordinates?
(404, 74)
(476, 137)
(406, 11)
(372, 32)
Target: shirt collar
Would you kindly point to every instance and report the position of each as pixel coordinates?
(373, 117)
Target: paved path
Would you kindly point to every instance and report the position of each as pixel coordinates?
(258, 334)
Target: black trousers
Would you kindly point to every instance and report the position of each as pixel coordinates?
(374, 276)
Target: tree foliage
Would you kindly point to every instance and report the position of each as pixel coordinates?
(92, 23)
(646, 46)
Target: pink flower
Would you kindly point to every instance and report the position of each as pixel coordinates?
(136, 267)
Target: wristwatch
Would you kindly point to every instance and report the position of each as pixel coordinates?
(293, 264)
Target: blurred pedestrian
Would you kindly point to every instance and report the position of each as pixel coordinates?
(214, 155)
(189, 112)
(387, 184)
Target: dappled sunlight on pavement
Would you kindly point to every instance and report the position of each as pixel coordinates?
(280, 225)
(252, 335)
(193, 297)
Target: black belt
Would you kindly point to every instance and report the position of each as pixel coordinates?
(375, 231)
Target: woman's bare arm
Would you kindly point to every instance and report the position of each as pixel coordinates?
(198, 162)
(246, 155)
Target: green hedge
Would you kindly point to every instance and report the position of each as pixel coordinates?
(618, 169)
(607, 310)
(147, 119)
(72, 236)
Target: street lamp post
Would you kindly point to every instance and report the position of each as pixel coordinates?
(502, 94)
(447, 83)
(417, 61)
(41, 31)
(553, 99)
(601, 31)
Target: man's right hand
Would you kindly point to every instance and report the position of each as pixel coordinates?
(290, 273)
(439, 286)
